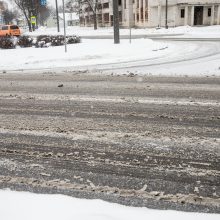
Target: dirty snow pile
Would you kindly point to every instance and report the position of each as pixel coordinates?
(28, 206)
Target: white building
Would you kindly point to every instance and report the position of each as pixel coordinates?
(184, 12)
(152, 13)
(72, 19)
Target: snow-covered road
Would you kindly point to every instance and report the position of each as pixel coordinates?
(139, 141)
(186, 53)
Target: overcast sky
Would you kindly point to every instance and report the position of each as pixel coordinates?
(52, 2)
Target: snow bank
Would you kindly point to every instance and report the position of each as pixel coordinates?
(26, 206)
(89, 52)
(142, 56)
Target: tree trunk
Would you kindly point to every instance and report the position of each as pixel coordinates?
(95, 20)
(95, 15)
(28, 21)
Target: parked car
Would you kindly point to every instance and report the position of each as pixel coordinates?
(10, 30)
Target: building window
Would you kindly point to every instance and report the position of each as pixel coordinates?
(209, 12)
(99, 6)
(182, 13)
(106, 18)
(119, 2)
(106, 5)
(125, 4)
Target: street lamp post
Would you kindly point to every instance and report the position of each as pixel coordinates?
(130, 17)
(166, 15)
(64, 27)
(116, 22)
(32, 15)
(57, 15)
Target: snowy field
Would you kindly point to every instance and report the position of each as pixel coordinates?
(28, 206)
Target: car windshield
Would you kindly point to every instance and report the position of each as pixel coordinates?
(4, 27)
(13, 27)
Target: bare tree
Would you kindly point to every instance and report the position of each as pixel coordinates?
(94, 6)
(73, 6)
(9, 16)
(42, 12)
(77, 6)
(26, 6)
(33, 8)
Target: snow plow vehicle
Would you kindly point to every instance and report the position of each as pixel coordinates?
(9, 30)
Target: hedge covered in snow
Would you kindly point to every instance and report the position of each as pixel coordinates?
(39, 41)
(7, 42)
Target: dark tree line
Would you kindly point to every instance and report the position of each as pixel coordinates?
(34, 8)
(9, 16)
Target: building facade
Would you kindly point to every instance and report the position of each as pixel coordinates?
(152, 13)
(185, 12)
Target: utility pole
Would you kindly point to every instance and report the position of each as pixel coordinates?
(130, 17)
(57, 15)
(32, 16)
(116, 22)
(64, 26)
(166, 15)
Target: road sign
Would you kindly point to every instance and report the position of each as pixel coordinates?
(33, 20)
(43, 2)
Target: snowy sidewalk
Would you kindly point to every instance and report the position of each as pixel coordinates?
(187, 31)
(28, 206)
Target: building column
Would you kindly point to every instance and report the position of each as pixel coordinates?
(103, 19)
(85, 21)
(218, 16)
(213, 15)
(192, 15)
(139, 9)
(123, 11)
(186, 15)
(144, 12)
(135, 13)
(130, 13)
(159, 15)
(109, 20)
(175, 15)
